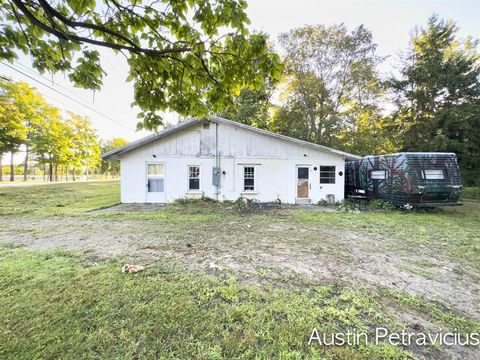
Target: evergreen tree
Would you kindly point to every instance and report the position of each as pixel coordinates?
(438, 95)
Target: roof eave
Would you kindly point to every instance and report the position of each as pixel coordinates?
(117, 153)
(288, 138)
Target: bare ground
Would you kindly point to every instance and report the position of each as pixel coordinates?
(253, 249)
(273, 248)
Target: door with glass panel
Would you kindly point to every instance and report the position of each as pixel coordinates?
(155, 182)
(303, 184)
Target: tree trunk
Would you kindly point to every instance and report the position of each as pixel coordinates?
(25, 165)
(50, 170)
(12, 167)
(1, 167)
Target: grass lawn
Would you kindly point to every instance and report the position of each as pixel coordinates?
(221, 282)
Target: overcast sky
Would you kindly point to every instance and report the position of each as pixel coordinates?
(390, 21)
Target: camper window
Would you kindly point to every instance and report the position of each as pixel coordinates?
(379, 174)
(433, 174)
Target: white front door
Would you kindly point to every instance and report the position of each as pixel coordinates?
(303, 183)
(155, 186)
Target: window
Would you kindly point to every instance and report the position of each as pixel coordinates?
(248, 178)
(194, 178)
(379, 174)
(303, 173)
(155, 178)
(327, 174)
(433, 174)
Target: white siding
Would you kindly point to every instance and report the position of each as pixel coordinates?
(275, 162)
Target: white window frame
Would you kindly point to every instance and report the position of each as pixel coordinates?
(199, 178)
(376, 177)
(334, 174)
(254, 179)
(433, 174)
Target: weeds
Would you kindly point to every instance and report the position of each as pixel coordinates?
(472, 193)
(61, 305)
(381, 205)
(436, 311)
(348, 206)
(203, 200)
(60, 308)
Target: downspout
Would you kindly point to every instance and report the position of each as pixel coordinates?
(217, 160)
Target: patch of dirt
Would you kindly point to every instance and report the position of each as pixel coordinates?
(132, 208)
(146, 208)
(316, 252)
(416, 322)
(253, 248)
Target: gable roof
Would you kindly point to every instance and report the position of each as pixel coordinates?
(117, 153)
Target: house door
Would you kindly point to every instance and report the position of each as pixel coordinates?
(303, 184)
(155, 183)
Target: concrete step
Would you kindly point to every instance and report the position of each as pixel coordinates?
(302, 201)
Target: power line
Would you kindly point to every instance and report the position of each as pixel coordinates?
(67, 96)
(65, 105)
(54, 83)
(58, 92)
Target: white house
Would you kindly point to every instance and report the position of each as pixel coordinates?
(225, 160)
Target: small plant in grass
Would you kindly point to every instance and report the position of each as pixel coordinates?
(347, 206)
(193, 201)
(381, 205)
(244, 204)
(241, 204)
(323, 202)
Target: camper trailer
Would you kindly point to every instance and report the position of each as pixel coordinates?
(418, 179)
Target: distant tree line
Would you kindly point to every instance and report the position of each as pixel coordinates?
(196, 58)
(333, 93)
(61, 146)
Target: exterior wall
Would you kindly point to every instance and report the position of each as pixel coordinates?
(274, 160)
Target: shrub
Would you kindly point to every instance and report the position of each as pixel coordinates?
(201, 200)
(381, 205)
(471, 193)
(348, 206)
